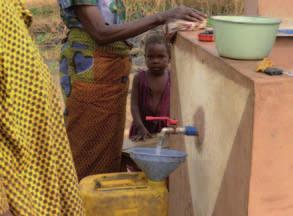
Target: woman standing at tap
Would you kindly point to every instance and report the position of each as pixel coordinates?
(94, 76)
(37, 175)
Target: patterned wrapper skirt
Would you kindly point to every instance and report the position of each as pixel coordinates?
(95, 85)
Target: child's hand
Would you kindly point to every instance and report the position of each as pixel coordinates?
(142, 134)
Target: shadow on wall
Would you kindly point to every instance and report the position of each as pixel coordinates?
(199, 123)
(232, 199)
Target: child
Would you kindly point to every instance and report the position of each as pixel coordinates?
(151, 89)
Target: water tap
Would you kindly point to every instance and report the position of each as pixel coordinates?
(172, 127)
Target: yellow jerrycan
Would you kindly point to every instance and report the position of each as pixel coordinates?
(123, 194)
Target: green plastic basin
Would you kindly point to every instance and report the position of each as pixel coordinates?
(245, 38)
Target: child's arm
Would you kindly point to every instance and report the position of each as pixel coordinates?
(143, 133)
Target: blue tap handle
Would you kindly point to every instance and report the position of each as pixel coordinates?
(191, 131)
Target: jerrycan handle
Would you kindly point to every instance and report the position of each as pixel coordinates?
(114, 183)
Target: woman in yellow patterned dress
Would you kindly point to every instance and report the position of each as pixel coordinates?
(37, 176)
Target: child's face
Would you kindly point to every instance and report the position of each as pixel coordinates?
(157, 58)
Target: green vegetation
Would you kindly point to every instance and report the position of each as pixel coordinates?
(48, 30)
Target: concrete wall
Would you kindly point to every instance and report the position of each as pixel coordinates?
(241, 164)
(220, 106)
(272, 8)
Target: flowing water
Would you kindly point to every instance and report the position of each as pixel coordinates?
(160, 145)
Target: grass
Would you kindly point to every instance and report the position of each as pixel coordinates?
(43, 11)
(48, 30)
(141, 8)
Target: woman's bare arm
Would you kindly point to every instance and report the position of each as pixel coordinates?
(95, 25)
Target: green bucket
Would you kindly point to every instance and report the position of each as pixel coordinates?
(245, 38)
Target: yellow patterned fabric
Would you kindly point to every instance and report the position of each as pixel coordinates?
(37, 176)
(3, 199)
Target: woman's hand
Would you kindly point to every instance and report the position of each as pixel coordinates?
(94, 22)
(184, 13)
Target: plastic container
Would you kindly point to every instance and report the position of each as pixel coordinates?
(123, 194)
(157, 164)
(247, 38)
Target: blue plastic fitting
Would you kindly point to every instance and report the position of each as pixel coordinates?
(191, 131)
